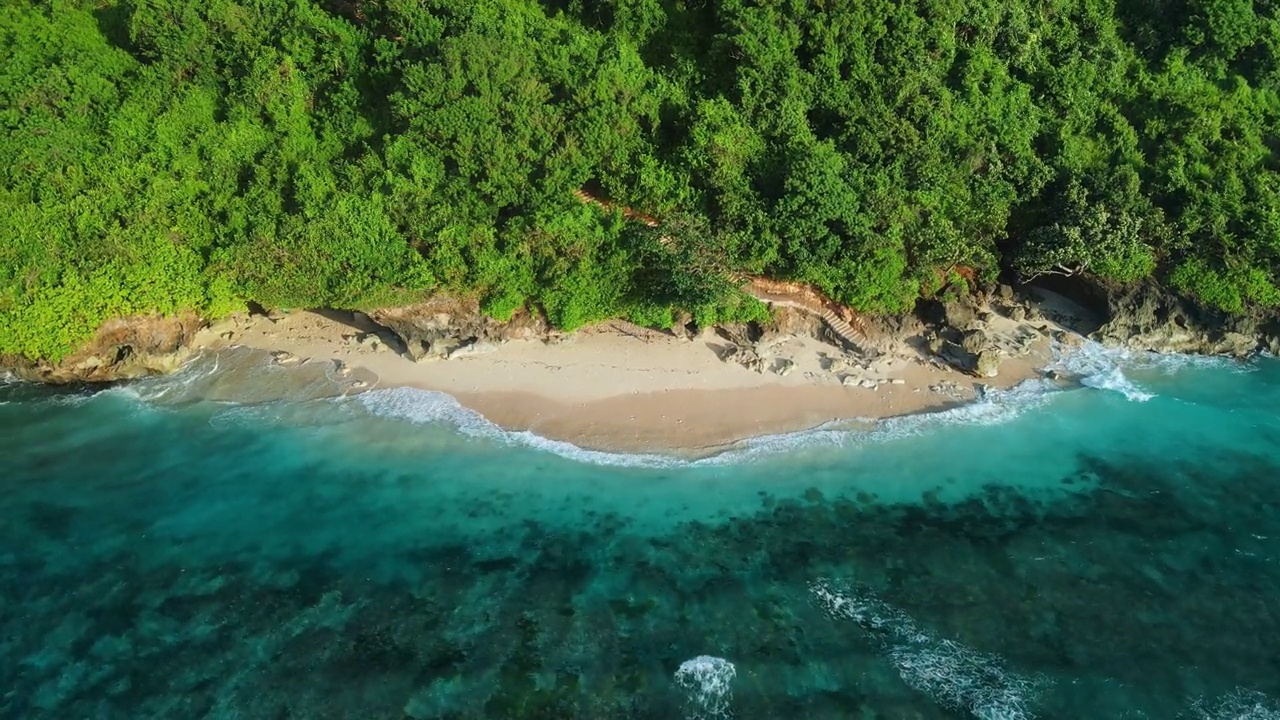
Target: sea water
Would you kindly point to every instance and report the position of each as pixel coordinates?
(245, 541)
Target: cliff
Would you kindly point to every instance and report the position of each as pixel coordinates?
(1148, 316)
(1139, 317)
(122, 349)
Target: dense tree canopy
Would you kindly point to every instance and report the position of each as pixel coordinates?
(160, 155)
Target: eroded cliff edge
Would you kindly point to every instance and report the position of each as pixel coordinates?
(122, 349)
(1148, 316)
(957, 331)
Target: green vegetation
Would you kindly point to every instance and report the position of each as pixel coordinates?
(159, 155)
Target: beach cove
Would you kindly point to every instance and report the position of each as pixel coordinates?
(619, 387)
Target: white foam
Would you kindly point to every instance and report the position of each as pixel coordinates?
(1108, 368)
(429, 407)
(992, 407)
(707, 683)
(1239, 704)
(425, 407)
(955, 676)
(1100, 367)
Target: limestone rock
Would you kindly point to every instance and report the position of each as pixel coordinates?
(987, 364)
(1151, 319)
(955, 355)
(1234, 344)
(480, 347)
(784, 366)
(445, 322)
(835, 364)
(93, 362)
(443, 347)
(786, 322)
(1017, 313)
(959, 314)
(974, 341)
(121, 349)
(934, 343)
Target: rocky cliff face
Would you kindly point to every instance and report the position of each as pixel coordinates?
(1150, 317)
(122, 349)
(1143, 317)
(446, 326)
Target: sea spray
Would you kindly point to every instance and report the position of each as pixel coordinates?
(1113, 369)
(707, 683)
(1100, 367)
(955, 676)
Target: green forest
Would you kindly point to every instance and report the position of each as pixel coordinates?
(168, 155)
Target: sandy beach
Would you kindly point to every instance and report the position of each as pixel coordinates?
(618, 387)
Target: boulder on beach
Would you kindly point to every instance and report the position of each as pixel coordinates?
(480, 347)
(987, 364)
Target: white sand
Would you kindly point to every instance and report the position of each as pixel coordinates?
(615, 387)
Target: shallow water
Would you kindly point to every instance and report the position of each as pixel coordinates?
(244, 542)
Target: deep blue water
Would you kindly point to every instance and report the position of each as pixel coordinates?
(236, 544)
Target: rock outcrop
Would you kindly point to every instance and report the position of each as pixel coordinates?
(1148, 317)
(976, 333)
(956, 333)
(122, 349)
(446, 326)
(973, 333)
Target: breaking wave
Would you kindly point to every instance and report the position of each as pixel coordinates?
(955, 676)
(430, 407)
(1102, 368)
(254, 389)
(1110, 368)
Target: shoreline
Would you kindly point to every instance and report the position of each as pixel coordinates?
(616, 389)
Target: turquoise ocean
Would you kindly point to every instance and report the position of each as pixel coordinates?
(236, 542)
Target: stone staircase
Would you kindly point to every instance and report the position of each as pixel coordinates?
(841, 329)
